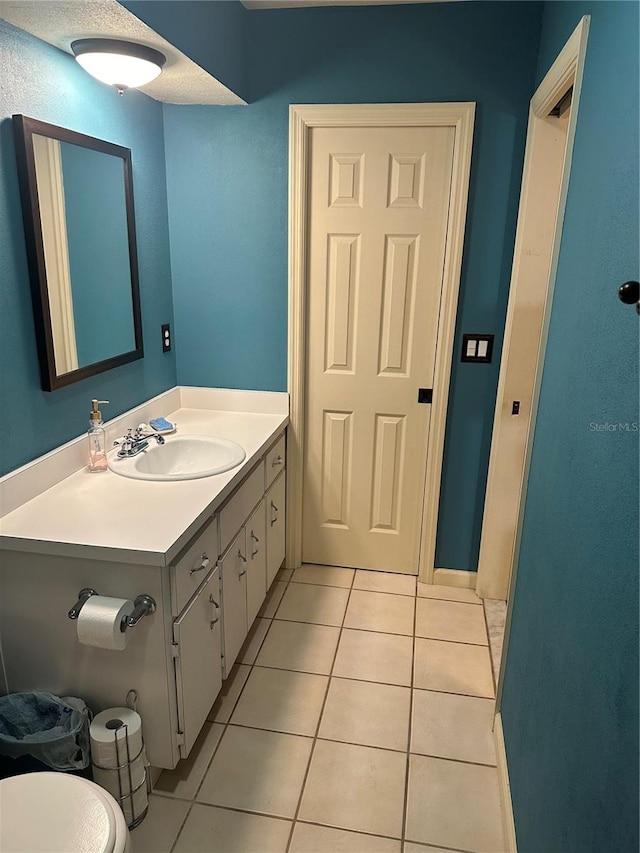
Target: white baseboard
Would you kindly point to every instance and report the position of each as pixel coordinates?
(453, 577)
(508, 823)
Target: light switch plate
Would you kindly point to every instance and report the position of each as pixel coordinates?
(477, 348)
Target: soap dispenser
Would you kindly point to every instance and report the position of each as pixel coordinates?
(97, 438)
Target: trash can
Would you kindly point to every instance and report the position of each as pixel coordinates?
(48, 728)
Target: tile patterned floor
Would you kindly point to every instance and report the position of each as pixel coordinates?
(357, 720)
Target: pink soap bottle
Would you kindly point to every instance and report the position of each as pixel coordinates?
(97, 438)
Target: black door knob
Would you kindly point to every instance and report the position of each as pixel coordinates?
(629, 292)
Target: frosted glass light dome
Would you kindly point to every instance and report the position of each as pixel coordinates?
(118, 63)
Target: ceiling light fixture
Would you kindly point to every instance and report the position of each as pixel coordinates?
(119, 63)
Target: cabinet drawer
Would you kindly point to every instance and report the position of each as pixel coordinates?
(193, 566)
(236, 511)
(274, 462)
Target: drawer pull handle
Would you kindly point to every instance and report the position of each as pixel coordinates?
(274, 517)
(257, 541)
(242, 557)
(216, 611)
(205, 562)
(277, 461)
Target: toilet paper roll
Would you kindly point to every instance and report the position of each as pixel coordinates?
(115, 781)
(134, 807)
(109, 730)
(99, 622)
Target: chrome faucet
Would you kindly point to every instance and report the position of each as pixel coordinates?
(132, 444)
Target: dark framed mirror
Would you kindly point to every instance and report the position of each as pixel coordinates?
(77, 204)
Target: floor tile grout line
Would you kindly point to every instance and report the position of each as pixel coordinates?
(348, 627)
(324, 739)
(353, 831)
(269, 816)
(457, 642)
(405, 804)
(323, 706)
(239, 810)
(450, 600)
(453, 693)
(388, 592)
(282, 819)
(277, 618)
(240, 660)
(182, 825)
(455, 760)
(370, 681)
(235, 704)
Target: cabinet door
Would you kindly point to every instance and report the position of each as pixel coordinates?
(257, 556)
(233, 572)
(197, 646)
(275, 527)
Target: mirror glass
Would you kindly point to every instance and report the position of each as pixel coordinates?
(79, 222)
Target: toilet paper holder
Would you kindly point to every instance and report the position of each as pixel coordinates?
(143, 605)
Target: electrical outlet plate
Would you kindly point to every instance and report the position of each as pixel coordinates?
(166, 337)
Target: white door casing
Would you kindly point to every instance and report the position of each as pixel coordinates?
(459, 118)
(378, 211)
(539, 230)
(566, 71)
(520, 355)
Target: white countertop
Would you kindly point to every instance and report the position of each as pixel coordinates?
(109, 517)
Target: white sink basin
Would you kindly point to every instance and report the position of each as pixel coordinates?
(182, 457)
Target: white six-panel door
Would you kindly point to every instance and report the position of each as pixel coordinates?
(378, 210)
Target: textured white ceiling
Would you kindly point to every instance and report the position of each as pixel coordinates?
(59, 22)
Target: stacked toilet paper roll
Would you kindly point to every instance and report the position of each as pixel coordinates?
(119, 770)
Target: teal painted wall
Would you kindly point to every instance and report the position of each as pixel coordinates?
(100, 269)
(570, 703)
(212, 34)
(43, 82)
(227, 185)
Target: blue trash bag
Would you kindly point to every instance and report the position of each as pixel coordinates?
(52, 729)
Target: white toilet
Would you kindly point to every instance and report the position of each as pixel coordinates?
(57, 813)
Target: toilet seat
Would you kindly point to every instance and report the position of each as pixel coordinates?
(57, 813)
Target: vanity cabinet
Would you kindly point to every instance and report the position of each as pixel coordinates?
(207, 598)
(196, 649)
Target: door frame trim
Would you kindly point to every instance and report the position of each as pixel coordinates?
(568, 67)
(302, 118)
